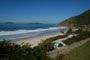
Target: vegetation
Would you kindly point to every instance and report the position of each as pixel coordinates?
(81, 36)
(10, 51)
(47, 45)
(60, 57)
(79, 53)
(78, 21)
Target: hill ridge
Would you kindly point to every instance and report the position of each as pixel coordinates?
(77, 21)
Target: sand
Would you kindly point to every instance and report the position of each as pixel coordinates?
(34, 41)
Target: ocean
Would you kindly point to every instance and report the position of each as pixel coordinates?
(18, 31)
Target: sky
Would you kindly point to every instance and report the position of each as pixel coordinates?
(43, 11)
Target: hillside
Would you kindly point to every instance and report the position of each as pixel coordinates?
(80, 20)
(80, 53)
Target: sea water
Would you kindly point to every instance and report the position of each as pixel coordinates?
(19, 31)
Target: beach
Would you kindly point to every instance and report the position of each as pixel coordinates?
(34, 41)
(32, 34)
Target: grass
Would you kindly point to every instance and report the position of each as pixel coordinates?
(80, 53)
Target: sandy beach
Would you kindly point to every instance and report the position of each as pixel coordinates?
(34, 41)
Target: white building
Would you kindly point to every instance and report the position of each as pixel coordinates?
(60, 41)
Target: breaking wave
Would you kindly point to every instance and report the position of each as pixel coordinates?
(18, 34)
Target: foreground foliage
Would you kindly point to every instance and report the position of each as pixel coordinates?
(10, 51)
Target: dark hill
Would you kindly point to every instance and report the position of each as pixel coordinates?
(80, 20)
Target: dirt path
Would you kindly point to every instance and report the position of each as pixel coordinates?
(66, 49)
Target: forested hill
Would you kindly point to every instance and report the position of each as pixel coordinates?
(80, 20)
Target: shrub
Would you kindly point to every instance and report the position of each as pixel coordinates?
(10, 51)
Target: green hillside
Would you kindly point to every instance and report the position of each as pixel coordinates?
(80, 53)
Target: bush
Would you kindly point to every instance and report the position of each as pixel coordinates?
(82, 35)
(10, 51)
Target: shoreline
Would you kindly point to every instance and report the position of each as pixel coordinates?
(34, 41)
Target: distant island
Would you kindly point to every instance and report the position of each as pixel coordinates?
(8, 23)
(35, 23)
(22, 23)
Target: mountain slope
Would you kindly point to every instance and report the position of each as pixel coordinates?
(82, 19)
(79, 53)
